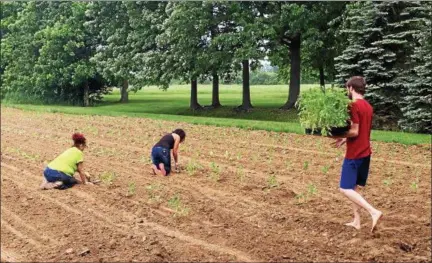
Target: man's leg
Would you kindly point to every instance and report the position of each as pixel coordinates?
(356, 222)
(357, 199)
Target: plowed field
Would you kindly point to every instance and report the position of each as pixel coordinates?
(240, 196)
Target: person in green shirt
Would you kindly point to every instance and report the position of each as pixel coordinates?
(60, 172)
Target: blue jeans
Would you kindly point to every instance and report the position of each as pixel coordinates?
(161, 155)
(52, 176)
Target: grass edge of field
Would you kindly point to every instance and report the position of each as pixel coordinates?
(288, 127)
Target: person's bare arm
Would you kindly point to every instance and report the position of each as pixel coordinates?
(175, 150)
(82, 173)
(353, 132)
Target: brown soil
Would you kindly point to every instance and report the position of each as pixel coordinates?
(244, 196)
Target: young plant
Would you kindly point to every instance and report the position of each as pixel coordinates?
(387, 181)
(176, 204)
(325, 169)
(192, 167)
(215, 172)
(312, 189)
(240, 173)
(107, 178)
(153, 192)
(131, 189)
(272, 182)
(305, 165)
(323, 109)
(270, 160)
(414, 184)
(301, 197)
(227, 155)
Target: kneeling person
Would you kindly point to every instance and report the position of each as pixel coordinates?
(59, 173)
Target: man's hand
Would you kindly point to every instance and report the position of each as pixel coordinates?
(339, 142)
(177, 167)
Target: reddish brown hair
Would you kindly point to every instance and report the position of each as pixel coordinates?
(358, 84)
(78, 139)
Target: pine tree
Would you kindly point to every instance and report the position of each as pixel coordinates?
(381, 41)
(417, 86)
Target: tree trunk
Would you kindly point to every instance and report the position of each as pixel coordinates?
(294, 86)
(322, 81)
(86, 96)
(194, 105)
(246, 101)
(124, 92)
(215, 92)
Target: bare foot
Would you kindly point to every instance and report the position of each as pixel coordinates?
(153, 171)
(354, 224)
(375, 217)
(47, 186)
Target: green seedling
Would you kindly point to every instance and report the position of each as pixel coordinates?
(215, 172)
(387, 181)
(272, 182)
(240, 173)
(312, 189)
(107, 178)
(153, 192)
(301, 197)
(192, 167)
(131, 189)
(305, 165)
(176, 204)
(325, 169)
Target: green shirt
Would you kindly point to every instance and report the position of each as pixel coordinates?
(67, 162)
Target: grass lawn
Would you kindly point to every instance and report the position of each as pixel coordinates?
(173, 104)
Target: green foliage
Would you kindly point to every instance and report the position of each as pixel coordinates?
(131, 189)
(325, 169)
(241, 174)
(272, 182)
(154, 192)
(381, 41)
(176, 204)
(192, 167)
(215, 172)
(305, 165)
(47, 52)
(107, 177)
(416, 103)
(323, 109)
(312, 189)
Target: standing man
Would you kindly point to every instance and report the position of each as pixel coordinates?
(355, 168)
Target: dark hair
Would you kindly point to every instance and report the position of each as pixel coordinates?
(358, 84)
(180, 133)
(78, 139)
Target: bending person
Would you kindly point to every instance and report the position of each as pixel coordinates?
(161, 152)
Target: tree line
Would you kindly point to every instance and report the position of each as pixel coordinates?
(57, 52)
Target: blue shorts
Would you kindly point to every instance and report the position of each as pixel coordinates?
(161, 155)
(52, 176)
(354, 172)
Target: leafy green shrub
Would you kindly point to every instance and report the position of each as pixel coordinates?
(323, 109)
